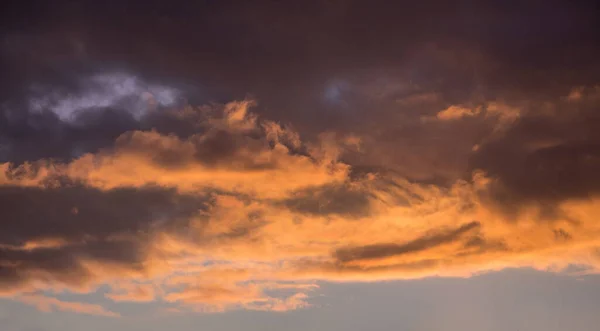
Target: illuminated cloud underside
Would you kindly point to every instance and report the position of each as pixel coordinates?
(164, 158)
(244, 214)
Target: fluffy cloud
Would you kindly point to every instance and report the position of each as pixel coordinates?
(241, 213)
(432, 143)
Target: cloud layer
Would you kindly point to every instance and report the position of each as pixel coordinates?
(241, 213)
(202, 173)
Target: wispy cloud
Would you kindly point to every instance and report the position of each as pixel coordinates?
(103, 91)
(48, 304)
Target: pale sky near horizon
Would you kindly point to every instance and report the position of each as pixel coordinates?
(310, 165)
(512, 299)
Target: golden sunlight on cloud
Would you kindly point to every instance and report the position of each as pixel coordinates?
(48, 304)
(222, 158)
(456, 112)
(243, 214)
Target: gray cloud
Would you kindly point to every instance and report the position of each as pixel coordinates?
(27, 136)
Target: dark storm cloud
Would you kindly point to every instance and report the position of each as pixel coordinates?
(378, 251)
(293, 58)
(232, 48)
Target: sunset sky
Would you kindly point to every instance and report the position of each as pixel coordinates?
(325, 165)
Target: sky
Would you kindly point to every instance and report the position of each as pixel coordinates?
(299, 165)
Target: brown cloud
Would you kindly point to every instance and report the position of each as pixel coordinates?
(347, 199)
(377, 251)
(547, 156)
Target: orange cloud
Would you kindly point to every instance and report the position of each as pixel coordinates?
(47, 304)
(456, 112)
(132, 292)
(245, 215)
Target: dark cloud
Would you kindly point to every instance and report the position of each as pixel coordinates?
(64, 265)
(214, 148)
(26, 136)
(334, 199)
(478, 244)
(74, 212)
(357, 270)
(46, 233)
(561, 234)
(64, 122)
(124, 80)
(231, 48)
(290, 57)
(545, 158)
(378, 251)
(428, 152)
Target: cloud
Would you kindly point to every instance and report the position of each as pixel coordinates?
(54, 236)
(233, 211)
(378, 251)
(198, 293)
(104, 91)
(132, 292)
(66, 122)
(47, 304)
(232, 154)
(456, 112)
(346, 200)
(545, 157)
(206, 174)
